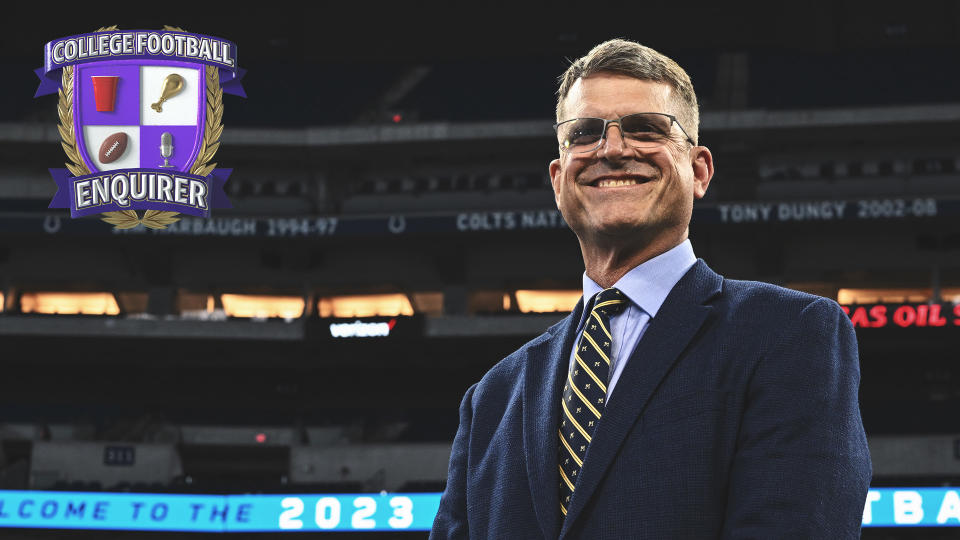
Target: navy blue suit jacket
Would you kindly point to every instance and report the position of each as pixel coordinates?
(736, 417)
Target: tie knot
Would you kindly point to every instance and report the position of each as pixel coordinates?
(610, 302)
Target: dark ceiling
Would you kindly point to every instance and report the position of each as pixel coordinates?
(435, 31)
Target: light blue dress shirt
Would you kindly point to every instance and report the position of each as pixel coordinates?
(646, 286)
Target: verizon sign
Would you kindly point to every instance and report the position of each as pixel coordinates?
(359, 328)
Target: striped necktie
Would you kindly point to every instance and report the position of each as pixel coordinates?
(585, 390)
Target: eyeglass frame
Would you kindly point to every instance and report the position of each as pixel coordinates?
(606, 124)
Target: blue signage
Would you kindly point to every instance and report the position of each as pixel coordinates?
(917, 507)
(885, 507)
(218, 513)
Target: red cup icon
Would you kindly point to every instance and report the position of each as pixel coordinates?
(105, 91)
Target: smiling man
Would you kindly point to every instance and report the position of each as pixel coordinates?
(672, 402)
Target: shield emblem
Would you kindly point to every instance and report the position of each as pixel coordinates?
(140, 122)
(158, 106)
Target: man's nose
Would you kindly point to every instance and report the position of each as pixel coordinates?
(613, 145)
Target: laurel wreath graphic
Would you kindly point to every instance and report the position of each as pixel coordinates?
(154, 219)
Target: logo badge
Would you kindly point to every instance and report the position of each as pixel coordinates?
(140, 121)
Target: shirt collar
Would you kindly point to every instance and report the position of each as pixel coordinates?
(648, 284)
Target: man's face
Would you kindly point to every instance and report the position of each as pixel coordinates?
(618, 194)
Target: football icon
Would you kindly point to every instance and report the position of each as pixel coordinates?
(113, 147)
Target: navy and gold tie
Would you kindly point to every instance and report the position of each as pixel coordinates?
(585, 390)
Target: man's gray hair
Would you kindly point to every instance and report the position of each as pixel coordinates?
(640, 62)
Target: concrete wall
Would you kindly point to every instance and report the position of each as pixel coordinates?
(84, 462)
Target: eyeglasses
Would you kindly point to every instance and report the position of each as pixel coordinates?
(639, 130)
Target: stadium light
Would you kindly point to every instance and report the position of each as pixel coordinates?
(245, 305)
(69, 303)
(885, 296)
(366, 305)
(951, 294)
(529, 301)
(429, 303)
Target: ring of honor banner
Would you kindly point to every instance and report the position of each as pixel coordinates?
(145, 113)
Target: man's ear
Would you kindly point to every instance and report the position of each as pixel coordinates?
(555, 170)
(702, 161)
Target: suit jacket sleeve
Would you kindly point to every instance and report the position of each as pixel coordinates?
(802, 467)
(451, 520)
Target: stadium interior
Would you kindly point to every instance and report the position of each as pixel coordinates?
(393, 234)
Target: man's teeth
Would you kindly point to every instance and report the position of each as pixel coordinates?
(614, 183)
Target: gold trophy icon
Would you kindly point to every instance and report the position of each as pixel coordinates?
(172, 85)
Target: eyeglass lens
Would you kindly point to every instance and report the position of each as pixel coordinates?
(643, 130)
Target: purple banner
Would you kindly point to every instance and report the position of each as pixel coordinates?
(140, 189)
(144, 45)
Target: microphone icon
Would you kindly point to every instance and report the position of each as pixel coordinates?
(166, 148)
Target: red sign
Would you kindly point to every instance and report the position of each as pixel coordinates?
(902, 315)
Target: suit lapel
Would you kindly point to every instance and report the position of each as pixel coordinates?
(669, 333)
(546, 367)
